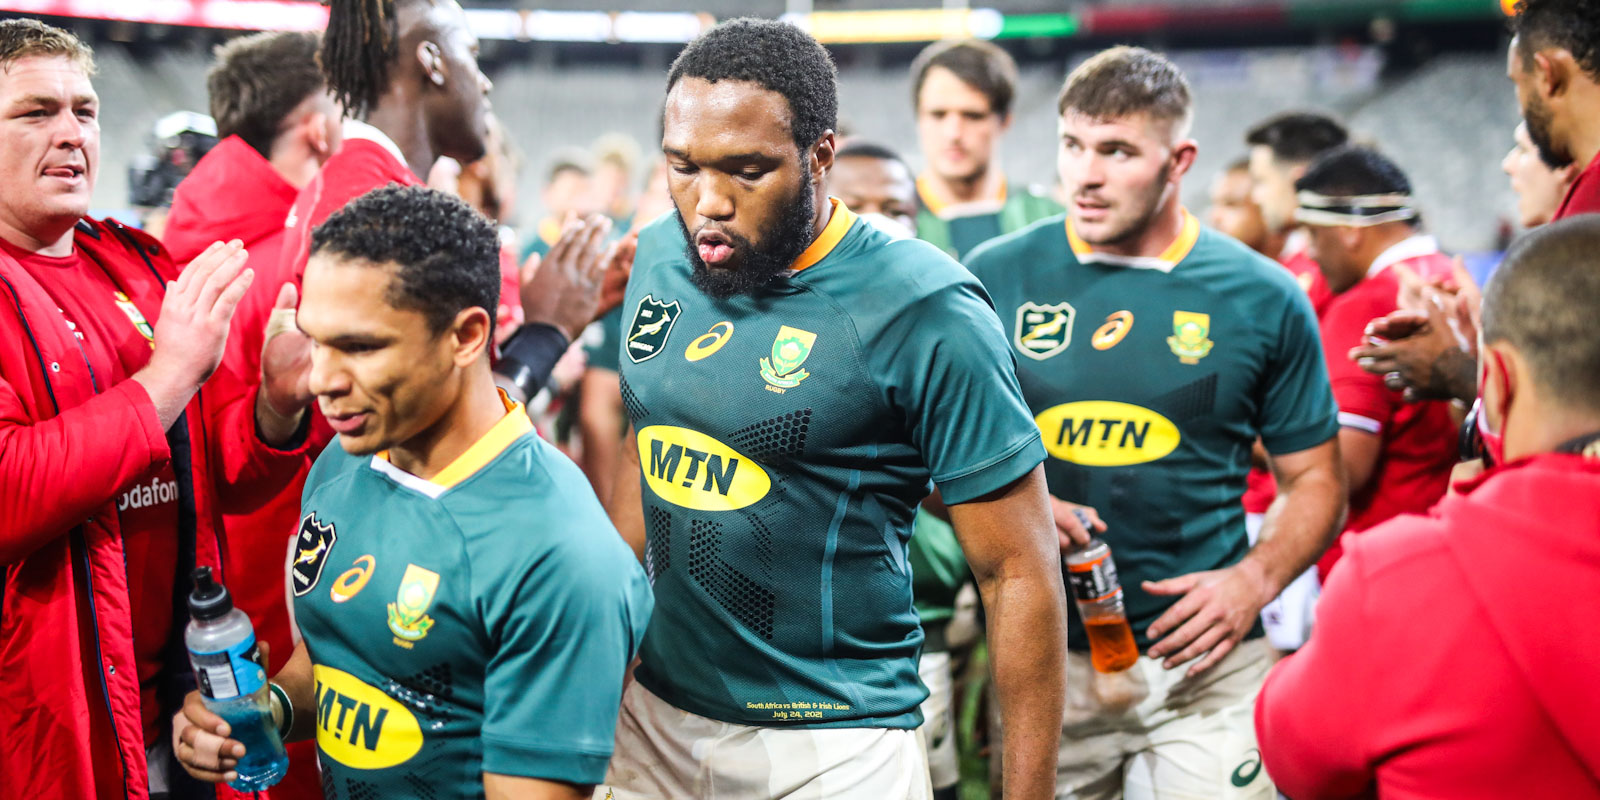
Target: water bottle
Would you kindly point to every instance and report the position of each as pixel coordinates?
(227, 663)
(1092, 579)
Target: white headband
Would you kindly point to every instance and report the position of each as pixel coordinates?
(1358, 211)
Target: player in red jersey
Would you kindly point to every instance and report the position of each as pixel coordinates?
(1554, 61)
(1362, 220)
(1281, 148)
(1455, 653)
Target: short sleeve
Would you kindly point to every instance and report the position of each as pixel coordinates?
(1297, 409)
(943, 364)
(1364, 402)
(560, 636)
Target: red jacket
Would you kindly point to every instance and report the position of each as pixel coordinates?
(1455, 654)
(234, 193)
(69, 693)
(1583, 196)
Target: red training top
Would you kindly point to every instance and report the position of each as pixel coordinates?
(1583, 196)
(1454, 654)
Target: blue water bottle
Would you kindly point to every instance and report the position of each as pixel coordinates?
(227, 663)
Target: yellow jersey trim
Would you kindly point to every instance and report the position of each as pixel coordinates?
(1175, 252)
(838, 225)
(508, 430)
(937, 205)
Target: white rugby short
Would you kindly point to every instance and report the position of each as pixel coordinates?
(1289, 616)
(664, 753)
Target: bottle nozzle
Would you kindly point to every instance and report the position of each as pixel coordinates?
(209, 599)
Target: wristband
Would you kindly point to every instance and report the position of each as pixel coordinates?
(286, 718)
(528, 357)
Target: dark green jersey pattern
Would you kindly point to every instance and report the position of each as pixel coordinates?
(1150, 382)
(785, 442)
(483, 627)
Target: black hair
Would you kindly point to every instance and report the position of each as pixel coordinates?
(776, 56)
(856, 148)
(1542, 299)
(1298, 137)
(1353, 170)
(1572, 25)
(983, 65)
(258, 80)
(446, 256)
(360, 44)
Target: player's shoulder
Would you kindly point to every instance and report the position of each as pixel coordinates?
(1022, 246)
(332, 465)
(1400, 550)
(870, 264)
(533, 504)
(1232, 269)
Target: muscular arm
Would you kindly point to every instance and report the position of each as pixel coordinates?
(1218, 607)
(625, 504)
(600, 418)
(512, 787)
(1305, 517)
(1359, 452)
(1009, 540)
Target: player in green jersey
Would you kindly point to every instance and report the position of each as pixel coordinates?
(962, 92)
(468, 612)
(796, 378)
(1153, 352)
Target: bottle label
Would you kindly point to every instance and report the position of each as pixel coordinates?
(1094, 580)
(226, 674)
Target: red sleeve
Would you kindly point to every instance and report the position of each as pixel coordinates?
(1364, 402)
(56, 473)
(1310, 719)
(245, 470)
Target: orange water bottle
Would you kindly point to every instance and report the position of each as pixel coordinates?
(1092, 579)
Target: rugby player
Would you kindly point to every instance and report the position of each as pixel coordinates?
(1363, 224)
(875, 182)
(796, 377)
(1281, 147)
(1538, 185)
(1154, 352)
(1554, 61)
(962, 92)
(467, 611)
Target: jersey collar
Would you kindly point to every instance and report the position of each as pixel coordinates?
(1413, 247)
(1169, 258)
(938, 207)
(356, 129)
(508, 430)
(839, 223)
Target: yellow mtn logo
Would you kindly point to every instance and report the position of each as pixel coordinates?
(690, 469)
(359, 726)
(1101, 433)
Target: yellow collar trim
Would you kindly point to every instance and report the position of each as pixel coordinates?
(833, 233)
(550, 230)
(936, 205)
(508, 430)
(1175, 252)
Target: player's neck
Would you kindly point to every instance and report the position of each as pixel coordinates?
(476, 410)
(293, 162)
(401, 119)
(1586, 137)
(53, 243)
(954, 191)
(1549, 425)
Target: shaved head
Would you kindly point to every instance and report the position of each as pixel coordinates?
(1542, 301)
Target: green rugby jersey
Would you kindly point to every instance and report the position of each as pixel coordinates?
(477, 622)
(1150, 378)
(959, 233)
(785, 441)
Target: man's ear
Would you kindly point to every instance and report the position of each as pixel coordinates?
(431, 61)
(473, 331)
(1553, 69)
(316, 133)
(1183, 156)
(821, 159)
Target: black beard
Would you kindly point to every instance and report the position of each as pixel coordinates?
(1539, 118)
(788, 236)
